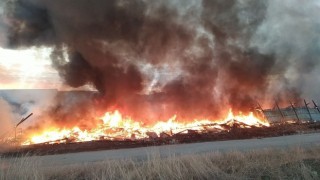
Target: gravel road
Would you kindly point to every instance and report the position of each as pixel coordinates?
(302, 140)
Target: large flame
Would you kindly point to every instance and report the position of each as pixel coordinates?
(116, 127)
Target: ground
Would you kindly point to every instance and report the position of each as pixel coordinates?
(286, 157)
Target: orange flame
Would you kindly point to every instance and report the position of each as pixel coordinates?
(115, 126)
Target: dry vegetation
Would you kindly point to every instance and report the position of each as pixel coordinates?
(260, 164)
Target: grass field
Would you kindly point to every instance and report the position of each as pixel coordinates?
(264, 164)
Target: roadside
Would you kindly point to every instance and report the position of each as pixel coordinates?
(302, 140)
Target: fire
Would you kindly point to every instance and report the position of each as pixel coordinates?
(114, 126)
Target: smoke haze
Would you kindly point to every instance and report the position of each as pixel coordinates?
(6, 119)
(193, 58)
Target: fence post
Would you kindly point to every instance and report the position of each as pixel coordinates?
(282, 120)
(306, 104)
(316, 106)
(295, 112)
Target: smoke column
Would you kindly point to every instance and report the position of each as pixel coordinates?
(193, 58)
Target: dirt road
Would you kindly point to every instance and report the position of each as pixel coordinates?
(303, 140)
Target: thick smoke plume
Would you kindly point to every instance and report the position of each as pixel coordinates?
(193, 58)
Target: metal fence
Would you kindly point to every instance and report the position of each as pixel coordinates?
(292, 114)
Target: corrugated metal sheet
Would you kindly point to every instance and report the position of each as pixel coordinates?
(274, 116)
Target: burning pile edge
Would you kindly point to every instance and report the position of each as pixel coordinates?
(189, 137)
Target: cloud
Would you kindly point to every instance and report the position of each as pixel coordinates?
(5, 77)
(29, 68)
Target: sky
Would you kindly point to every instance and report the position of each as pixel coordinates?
(27, 69)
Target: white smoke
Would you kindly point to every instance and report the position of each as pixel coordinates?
(24, 102)
(290, 31)
(6, 118)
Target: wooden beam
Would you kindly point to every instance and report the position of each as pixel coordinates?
(15, 129)
(24, 119)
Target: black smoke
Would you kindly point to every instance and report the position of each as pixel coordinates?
(152, 59)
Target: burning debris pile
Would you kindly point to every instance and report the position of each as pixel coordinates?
(115, 130)
(115, 127)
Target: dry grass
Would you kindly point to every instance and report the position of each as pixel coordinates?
(260, 164)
